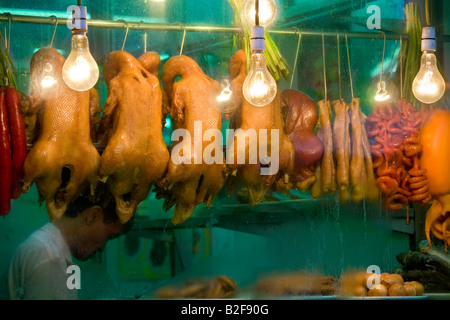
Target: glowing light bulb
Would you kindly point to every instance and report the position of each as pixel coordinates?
(259, 87)
(267, 12)
(48, 78)
(382, 94)
(428, 85)
(48, 81)
(226, 93)
(80, 71)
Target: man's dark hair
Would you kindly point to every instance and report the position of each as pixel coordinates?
(85, 201)
(102, 198)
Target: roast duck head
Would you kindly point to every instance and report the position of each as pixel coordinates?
(267, 152)
(135, 155)
(191, 177)
(63, 161)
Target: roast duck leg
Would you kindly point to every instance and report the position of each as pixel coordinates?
(196, 170)
(135, 156)
(63, 161)
(251, 123)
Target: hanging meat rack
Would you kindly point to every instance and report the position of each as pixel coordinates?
(253, 221)
(121, 24)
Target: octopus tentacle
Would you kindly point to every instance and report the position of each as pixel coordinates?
(432, 215)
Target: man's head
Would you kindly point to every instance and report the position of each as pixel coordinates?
(88, 224)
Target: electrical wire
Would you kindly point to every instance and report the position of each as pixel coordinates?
(257, 12)
(427, 14)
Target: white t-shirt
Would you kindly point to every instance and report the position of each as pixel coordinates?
(38, 269)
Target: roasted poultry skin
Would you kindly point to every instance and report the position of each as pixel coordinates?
(63, 162)
(135, 156)
(192, 101)
(246, 116)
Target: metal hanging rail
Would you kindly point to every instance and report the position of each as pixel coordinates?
(121, 24)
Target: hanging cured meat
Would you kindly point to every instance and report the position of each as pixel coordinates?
(342, 147)
(253, 124)
(5, 158)
(362, 178)
(325, 170)
(63, 162)
(135, 156)
(301, 119)
(196, 170)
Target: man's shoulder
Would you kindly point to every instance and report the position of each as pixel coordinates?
(39, 245)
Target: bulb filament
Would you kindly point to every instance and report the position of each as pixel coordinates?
(259, 89)
(226, 92)
(80, 70)
(48, 81)
(427, 86)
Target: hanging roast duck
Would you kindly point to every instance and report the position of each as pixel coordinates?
(63, 161)
(191, 178)
(252, 122)
(135, 156)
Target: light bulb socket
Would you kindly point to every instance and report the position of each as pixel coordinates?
(257, 39)
(428, 39)
(79, 23)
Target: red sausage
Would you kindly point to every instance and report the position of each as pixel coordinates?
(5, 158)
(18, 140)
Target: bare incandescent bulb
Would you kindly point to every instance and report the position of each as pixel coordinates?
(259, 86)
(267, 12)
(382, 94)
(80, 71)
(428, 85)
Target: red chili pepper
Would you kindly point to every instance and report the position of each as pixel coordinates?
(18, 140)
(5, 157)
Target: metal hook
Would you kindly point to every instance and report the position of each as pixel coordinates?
(145, 41)
(324, 66)
(145, 36)
(401, 68)
(182, 41)
(126, 34)
(349, 68)
(382, 58)
(54, 30)
(8, 34)
(296, 56)
(339, 66)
